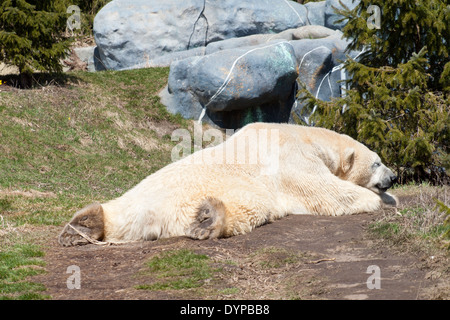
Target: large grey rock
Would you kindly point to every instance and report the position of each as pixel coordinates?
(131, 34)
(232, 62)
(167, 59)
(320, 69)
(235, 86)
(304, 32)
(316, 12)
(316, 59)
(257, 83)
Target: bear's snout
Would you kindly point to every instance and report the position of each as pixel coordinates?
(393, 178)
(386, 182)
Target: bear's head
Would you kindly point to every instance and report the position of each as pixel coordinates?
(364, 168)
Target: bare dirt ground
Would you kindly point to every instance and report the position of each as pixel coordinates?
(297, 257)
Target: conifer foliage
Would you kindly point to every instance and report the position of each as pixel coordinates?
(398, 96)
(31, 36)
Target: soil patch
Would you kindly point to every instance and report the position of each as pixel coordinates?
(297, 257)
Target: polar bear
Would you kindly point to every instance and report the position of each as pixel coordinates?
(261, 173)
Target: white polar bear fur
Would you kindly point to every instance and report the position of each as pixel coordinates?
(317, 172)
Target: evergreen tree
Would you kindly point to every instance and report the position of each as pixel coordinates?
(31, 36)
(406, 28)
(398, 98)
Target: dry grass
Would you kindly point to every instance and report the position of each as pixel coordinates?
(418, 223)
(6, 228)
(28, 194)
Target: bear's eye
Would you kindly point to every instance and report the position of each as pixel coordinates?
(376, 164)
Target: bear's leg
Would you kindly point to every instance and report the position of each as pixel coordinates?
(389, 199)
(86, 225)
(210, 220)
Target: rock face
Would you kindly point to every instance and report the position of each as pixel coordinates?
(130, 34)
(235, 85)
(231, 62)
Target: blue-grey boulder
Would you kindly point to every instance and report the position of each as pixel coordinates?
(320, 64)
(258, 83)
(130, 34)
(316, 13)
(304, 32)
(235, 86)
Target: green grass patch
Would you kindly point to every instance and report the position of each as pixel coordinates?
(17, 262)
(5, 204)
(108, 129)
(89, 140)
(178, 270)
(387, 230)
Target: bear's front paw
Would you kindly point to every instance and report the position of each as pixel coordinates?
(209, 221)
(389, 199)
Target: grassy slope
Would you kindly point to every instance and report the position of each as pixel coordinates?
(75, 142)
(65, 146)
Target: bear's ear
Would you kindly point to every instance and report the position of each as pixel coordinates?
(347, 159)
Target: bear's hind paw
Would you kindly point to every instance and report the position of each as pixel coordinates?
(87, 226)
(209, 221)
